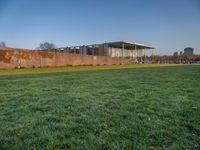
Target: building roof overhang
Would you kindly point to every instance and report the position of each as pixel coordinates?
(129, 45)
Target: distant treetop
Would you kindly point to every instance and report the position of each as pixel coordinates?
(46, 46)
(2, 44)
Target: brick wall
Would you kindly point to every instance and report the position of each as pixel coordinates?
(12, 58)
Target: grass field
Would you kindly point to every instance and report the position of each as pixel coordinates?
(74, 69)
(121, 107)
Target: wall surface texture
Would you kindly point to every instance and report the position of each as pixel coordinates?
(16, 58)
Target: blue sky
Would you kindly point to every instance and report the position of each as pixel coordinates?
(168, 25)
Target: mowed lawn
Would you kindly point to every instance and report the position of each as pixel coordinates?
(128, 108)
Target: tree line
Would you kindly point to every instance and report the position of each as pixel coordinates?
(171, 59)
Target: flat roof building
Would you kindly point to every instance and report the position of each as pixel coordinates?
(111, 49)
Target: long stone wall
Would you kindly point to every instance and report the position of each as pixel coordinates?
(17, 58)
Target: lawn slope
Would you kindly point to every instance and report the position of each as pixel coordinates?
(41, 70)
(130, 108)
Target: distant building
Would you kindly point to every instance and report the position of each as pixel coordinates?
(111, 49)
(189, 50)
(175, 53)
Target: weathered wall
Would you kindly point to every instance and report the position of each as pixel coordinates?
(12, 58)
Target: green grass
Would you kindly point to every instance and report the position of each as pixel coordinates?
(76, 68)
(128, 107)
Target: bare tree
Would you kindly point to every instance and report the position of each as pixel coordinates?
(46, 46)
(2, 44)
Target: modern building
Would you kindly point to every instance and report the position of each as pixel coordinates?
(189, 50)
(175, 54)
(111, 49)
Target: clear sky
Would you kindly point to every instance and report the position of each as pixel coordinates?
(168, 25)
